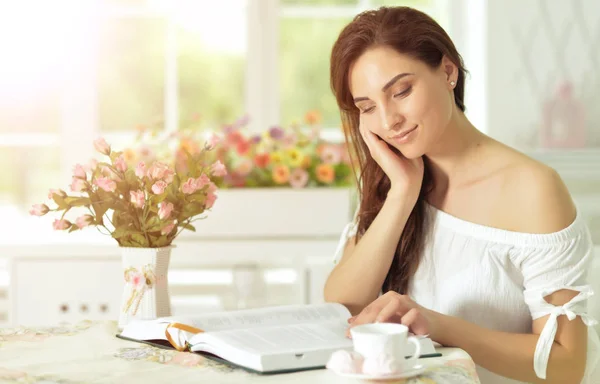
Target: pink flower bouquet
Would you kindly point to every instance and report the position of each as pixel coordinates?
(146, 205)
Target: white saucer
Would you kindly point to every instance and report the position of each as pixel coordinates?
(412, 372)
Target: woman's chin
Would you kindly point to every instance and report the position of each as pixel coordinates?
(411, 151)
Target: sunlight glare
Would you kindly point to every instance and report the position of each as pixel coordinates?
(221, 26)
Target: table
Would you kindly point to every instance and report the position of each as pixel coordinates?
(89, 352)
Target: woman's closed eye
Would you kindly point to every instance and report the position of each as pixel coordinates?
(403, 93)
(367, 110)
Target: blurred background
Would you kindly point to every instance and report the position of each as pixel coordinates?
(73, 70)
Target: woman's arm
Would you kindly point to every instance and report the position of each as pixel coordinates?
(507, 354)
(511, 354)
(369, 261)
(357, 279)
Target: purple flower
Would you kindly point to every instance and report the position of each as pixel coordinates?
(276, 133)
(242, 121)
(255, 139)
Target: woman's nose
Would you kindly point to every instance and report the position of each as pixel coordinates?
(390, 119)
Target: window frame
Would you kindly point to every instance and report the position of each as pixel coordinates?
(79, 124)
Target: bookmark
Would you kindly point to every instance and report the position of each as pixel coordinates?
(181, 327)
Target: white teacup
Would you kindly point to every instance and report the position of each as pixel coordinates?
(372, 340)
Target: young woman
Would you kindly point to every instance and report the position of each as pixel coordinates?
(469, 241)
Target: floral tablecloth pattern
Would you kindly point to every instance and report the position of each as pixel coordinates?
(89, 352)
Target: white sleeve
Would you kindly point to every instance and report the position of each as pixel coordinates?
(551, 267)
(349, 231)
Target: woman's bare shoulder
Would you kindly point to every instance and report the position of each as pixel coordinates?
(534, 195)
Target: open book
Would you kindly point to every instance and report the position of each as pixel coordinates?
(266, 340)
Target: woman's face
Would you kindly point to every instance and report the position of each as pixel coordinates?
(402, 100)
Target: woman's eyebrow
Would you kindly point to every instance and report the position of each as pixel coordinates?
(386, 86)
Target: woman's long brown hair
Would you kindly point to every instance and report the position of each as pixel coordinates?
(417, 35)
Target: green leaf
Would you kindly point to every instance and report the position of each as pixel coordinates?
(77, 201)
(158, 198)
(128, 243)
(119, 206)
(198, 197)
(189, 210)
(140, 239)
(131, 179)
(60, 202)
(173, 189)
(188, 226)
(176, 183)
(154, 224)
(113, 155)
(123, 231)
(101, 202)
(162, 241)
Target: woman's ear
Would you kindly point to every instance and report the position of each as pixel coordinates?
(450, 69)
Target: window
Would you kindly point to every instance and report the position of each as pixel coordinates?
(308, 30)
(168, 63)
(305, 45)
(211, 58)
(31, 81)
(131, 72)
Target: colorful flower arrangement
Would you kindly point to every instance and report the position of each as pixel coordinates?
(296, 157)
(143, 205)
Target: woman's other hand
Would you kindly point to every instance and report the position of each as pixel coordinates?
(395, 308)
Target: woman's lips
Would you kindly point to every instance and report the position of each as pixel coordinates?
(405, 136)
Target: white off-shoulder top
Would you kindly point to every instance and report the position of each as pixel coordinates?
(498, 279)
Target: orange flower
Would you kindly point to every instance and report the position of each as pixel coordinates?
(281, 174)
(325, 173)
(129, 155)
(312, 117)
(190, 146)
(262, 160)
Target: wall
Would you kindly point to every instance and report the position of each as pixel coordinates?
(532, 48)
(519, 54)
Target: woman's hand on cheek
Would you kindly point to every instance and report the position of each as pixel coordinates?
(395, 308)
(406, 175)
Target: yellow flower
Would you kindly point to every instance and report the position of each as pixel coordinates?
(295, 157)
(281, 174)
(277, 157)
(325, 173)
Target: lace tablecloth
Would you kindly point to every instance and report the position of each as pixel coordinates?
(89, 352)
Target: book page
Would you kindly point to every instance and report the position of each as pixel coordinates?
(243, 319)
(252, 318)
(279, 339)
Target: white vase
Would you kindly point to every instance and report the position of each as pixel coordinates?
(146, 286)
